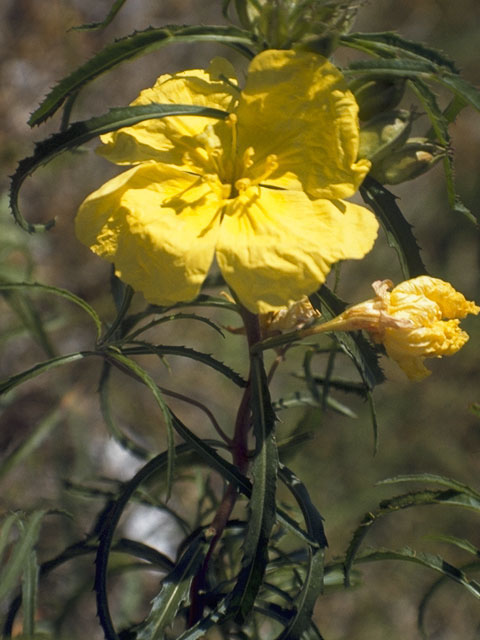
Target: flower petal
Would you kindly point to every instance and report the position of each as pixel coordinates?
(449, 302)
(158, 225)
(301, 110)
(172, 139)
(275, 245)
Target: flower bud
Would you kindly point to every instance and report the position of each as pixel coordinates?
(376, 95)
(384, 133)
(414, 158)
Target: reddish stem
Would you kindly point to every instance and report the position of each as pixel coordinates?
(239, 450)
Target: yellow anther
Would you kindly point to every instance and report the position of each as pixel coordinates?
(248, 157)
(243, 183)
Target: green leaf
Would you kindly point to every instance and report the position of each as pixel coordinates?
(37, 369)
(460, 543)
(450, 483)
(29, 529)
(93, 26)
(453, 496)
(144, 348)
(170, 318)
(394, 67)
(174, 591)
(397, 229)
(138, 372)
(389, 44)
(439, 122)
(80, 132)
(130, 47)
(63, 293)
(29, 593)
(427, 560)
(461, 88)
(313, 584)
(354, 344)
(300, 399)
(262, 503)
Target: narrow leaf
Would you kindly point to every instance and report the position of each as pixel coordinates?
(313, 583)
(262, 503)
(29, 593)
(428, 560)
(12, 569)
(450, 483)
(63, 293)
(37, 369)
(80, 132)
(130, 47)
(174, 592)
(93, 26)
(143, 348)
(389, 44)
(439, 122)
(355, 345)
(397, 229)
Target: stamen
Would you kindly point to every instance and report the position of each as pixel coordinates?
(271, 165)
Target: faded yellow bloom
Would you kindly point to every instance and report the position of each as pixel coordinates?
(261, 192)
(418, 319)
(291, 318)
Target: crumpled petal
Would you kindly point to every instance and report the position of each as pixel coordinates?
(448, 302)
(301, 110)
(275, 246)
(158, 225)
(172, 140)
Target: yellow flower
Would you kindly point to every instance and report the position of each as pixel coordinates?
(418, 319)
(261, 191)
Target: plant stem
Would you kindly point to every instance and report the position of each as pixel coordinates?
(239, 451)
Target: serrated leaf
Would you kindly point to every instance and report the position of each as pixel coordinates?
(143, 348)
(63, 293)
(393, 67)
(389, 44)
(451, 496)
(301, 399)
(313, 583)
(461, 88)
(397, 229)
(80, 132)
(130, 47)
(262, 502)
(450, 483)
(36, 370)
(174, 592)
(439, 123)
(117, 358)
(428, 560)
(93, 26)
(175, 316)
(355, 345)
(460, 543)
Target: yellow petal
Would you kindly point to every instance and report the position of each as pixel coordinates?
(172, 139)
(158, 225)
(449, 302)
(275, 246)
(296, 105)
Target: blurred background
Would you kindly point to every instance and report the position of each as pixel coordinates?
(423, 427)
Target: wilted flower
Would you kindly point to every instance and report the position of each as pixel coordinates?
(261, 191)
(418, 319)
